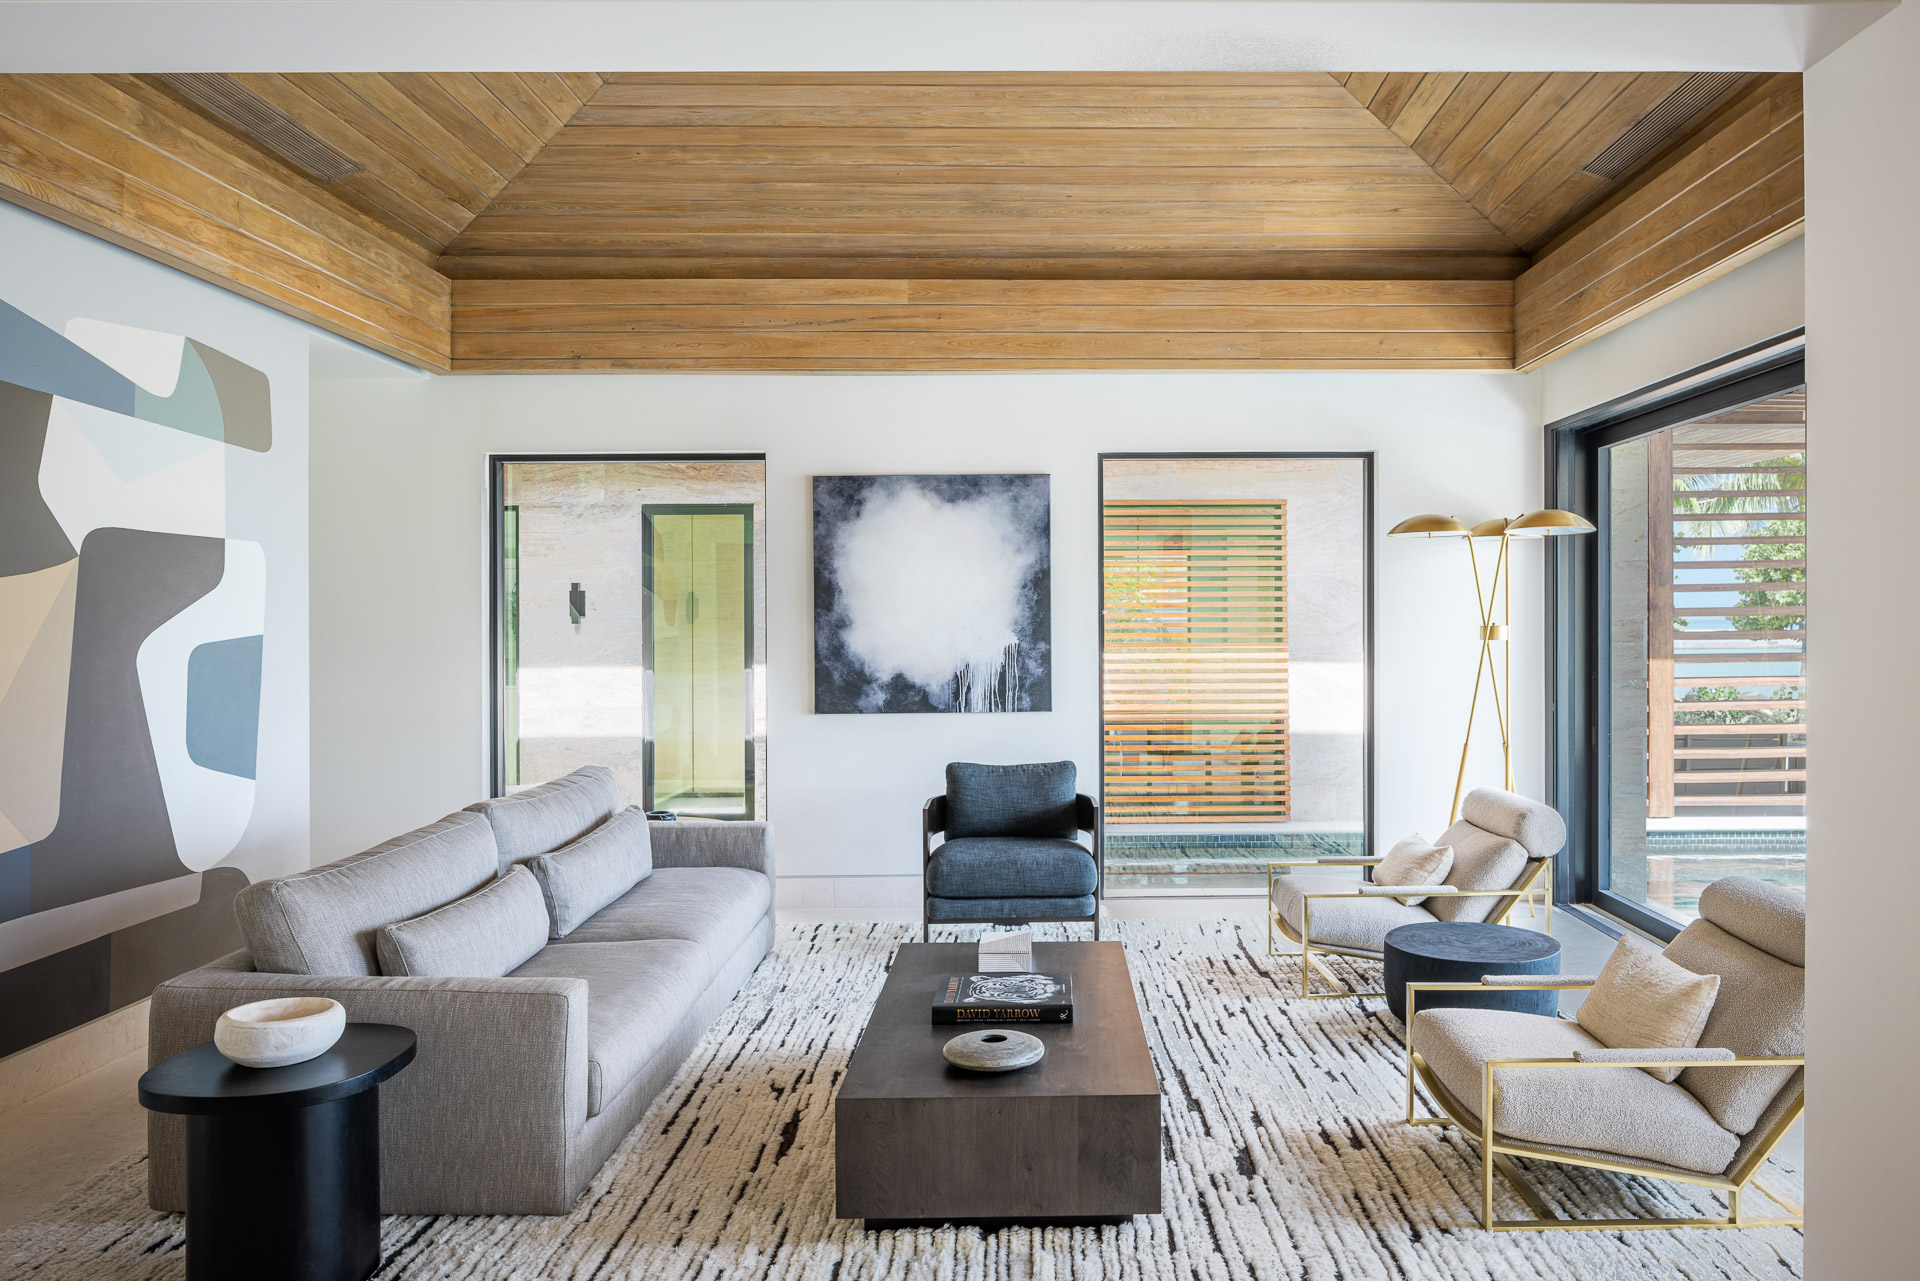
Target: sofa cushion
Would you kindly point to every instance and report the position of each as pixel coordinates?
(638, 994)
(1360, 923)
(482, 936)
(1482, 860)
(323, 920)
(713, 908)
(1761, 1010)
(1414, 861)
(1011, 867)
(543, 818)
(581, 878)
(1605, 1109)
(1010, 909)
(1011, 800)
(1643, 1001)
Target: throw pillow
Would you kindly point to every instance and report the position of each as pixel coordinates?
(495, 929)
(578, 880)
(1414, 862)
(1643, 1001)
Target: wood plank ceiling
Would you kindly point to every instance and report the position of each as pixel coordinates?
(882, 220)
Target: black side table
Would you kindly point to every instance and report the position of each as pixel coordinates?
(283, 1164)
(1462, 951)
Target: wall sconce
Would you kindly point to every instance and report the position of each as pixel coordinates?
(576, 605)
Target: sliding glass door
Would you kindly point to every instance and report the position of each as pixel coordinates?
(699, 656)
(1696, 621)
(1234, 666)
(628, 628)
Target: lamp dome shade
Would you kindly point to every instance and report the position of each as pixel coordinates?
(1549, 522)
(1491, 528)
(1430, 525)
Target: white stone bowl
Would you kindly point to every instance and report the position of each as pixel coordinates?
(269, 1034)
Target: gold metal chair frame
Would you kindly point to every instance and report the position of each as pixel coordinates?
(1538, 882)
(1497, 1153)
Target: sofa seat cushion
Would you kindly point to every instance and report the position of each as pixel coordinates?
(1011, 867)
(1010, 909)
(1623, 1111)
(1360, 923)
(713, 908)
(538, 820)
(324, 920)
(638, 994)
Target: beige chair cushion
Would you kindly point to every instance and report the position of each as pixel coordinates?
(1770, 917)
(1643, 1001)
(1761, 1010)
(1414, 862)
(1618, 1110)
(1359, 923)
(1481, 861)
(1538, 827)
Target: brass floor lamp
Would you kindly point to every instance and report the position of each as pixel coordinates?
(1494, 600)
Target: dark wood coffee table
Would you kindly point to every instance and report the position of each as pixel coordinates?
(1073, 1139)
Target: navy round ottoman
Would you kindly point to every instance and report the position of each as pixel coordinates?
(1460, 952)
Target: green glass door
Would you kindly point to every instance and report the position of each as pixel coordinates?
(698, 565)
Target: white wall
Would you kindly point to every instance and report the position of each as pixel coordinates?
(1863, 274)
(1757, 301)
(399, 520)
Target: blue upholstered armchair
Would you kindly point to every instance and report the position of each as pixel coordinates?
(1011, 853)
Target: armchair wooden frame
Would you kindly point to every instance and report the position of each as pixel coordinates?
(933, 819)
(1536, 881)
(1497, 1153)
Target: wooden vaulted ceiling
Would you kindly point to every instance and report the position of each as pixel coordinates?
(928, 221)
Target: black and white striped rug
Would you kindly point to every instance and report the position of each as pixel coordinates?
(1286, 1157)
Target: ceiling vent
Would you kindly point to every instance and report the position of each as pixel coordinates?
(253, 117)
(1690, 99)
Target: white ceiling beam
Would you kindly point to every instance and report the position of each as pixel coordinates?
(929, 35)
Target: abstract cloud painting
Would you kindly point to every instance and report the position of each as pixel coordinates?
(932, 594)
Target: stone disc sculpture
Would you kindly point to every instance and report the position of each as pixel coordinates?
(994, 1050)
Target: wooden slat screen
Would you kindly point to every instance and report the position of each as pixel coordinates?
(1195, 696)
(1723, 738)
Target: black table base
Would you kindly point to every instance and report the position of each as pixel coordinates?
(1462, 951)
(293, 1195)
(283, 1164)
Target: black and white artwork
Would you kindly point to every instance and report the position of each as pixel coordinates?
(932, 594)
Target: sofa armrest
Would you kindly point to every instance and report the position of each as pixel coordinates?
(479, 1123)
(688, 844)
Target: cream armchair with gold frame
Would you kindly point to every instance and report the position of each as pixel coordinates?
(1541, 1088)
(1503, 849)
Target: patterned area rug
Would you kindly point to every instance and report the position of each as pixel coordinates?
(1285, 1157)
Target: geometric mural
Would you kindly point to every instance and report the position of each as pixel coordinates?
(132, 642)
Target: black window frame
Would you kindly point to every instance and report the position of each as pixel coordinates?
(1578, 751)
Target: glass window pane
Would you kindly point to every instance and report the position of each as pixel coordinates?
(1233, 659)
(1706, 550)
(632, 633)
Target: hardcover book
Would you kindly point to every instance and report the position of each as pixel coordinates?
(1004, 998)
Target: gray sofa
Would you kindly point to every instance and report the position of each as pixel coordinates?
(525, 1083)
